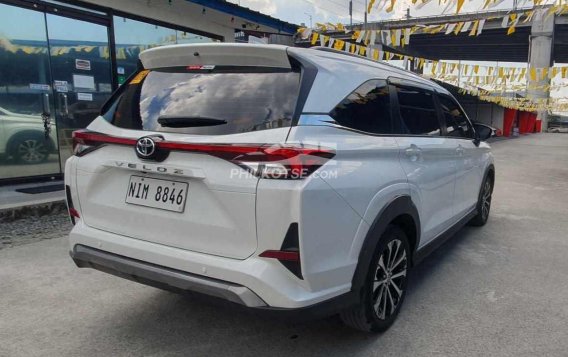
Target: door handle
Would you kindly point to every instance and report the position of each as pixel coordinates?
(46, 115)
(64, 104)
(413, 152)
(45, 103)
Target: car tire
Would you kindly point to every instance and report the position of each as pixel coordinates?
(385, 284)
(483, 203)
(30, 149)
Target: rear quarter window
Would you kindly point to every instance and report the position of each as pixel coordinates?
(366, 109)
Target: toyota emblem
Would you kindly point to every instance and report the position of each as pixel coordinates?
(145, 147)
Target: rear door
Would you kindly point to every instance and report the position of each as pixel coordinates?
(200, 200)
(426, 157)
(468, 158)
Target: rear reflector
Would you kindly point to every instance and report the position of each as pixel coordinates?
(289, 253)
(74, 213)
(272, 161)
(281, 255)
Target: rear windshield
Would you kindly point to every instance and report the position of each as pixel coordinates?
(207, 102)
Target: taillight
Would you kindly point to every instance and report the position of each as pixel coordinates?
(284, 161)
(271, 161)
(85, 141)
(81, 143)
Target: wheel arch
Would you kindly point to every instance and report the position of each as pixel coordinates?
(402, 212)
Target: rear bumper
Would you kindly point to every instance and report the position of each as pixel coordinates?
(162, 277)
(231, 279)
(179, 281)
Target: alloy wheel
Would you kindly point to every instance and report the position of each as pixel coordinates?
(32, 151)
(389, 279)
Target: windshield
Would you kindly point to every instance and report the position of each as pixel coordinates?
(222, 101)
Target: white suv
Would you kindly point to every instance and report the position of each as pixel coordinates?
(275, 177)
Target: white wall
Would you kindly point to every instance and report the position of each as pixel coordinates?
(490, 114)
(181, 13)
(486, 113)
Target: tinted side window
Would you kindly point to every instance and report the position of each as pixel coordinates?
(457, 124)
(417, 111)
(366, 109)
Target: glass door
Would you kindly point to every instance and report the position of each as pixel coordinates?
(28, 138)
(81, 73)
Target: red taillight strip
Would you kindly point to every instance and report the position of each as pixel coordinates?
(91, 137)
(281, 255)
(275, 152)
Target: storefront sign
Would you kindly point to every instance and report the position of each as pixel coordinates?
(38, 86)
(61, 86)
(85, 96)
(105, 87)
(84, 65)
(83, 82)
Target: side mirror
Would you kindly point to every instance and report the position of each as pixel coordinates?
(482, 131)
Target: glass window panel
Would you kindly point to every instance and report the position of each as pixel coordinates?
(27, 147)
(457, 124)
(80, 65)
(132, 37)
(417, 111)
(366, 109)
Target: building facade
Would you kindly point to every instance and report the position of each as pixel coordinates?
(61, 60)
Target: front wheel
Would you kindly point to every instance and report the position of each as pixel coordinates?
(483, 204)
(385, 285)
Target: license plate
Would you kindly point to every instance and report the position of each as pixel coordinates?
(155, 193)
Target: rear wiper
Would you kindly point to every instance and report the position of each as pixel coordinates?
(186, 122)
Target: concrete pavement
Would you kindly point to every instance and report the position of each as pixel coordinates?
(499, 290)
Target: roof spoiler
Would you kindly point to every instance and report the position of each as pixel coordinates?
(218, 54)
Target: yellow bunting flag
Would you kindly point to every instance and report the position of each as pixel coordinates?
(370, 6)
(391, 7)
(511, 29)
(458, 28)
(459, 6)
(533, 74)
(315, 36)
(473, 31)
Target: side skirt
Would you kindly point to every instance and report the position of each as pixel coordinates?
(423, 252)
